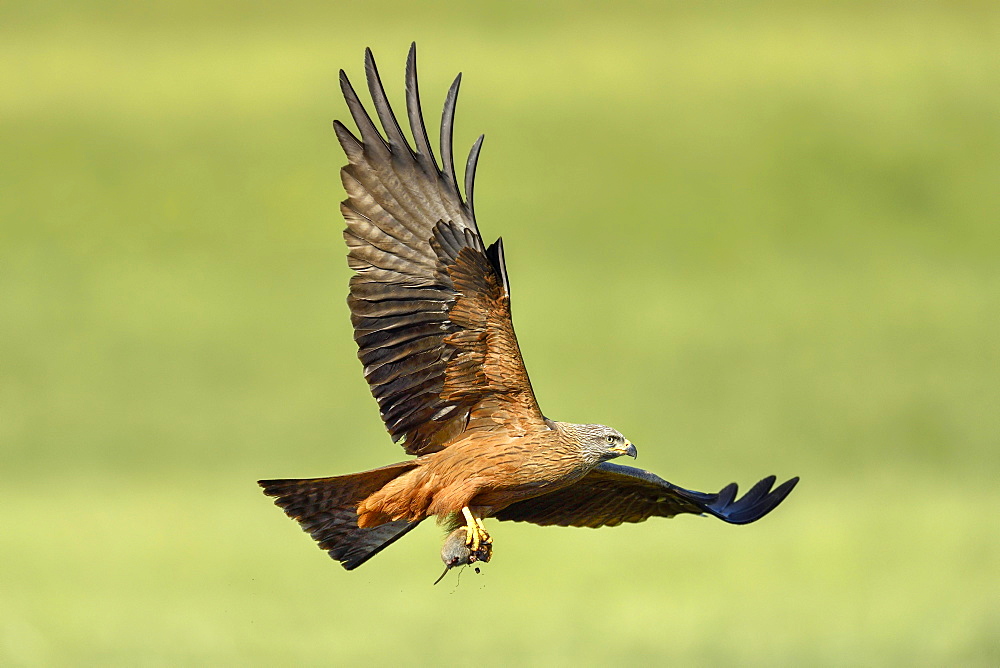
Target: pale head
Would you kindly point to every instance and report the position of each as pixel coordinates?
(599, 442)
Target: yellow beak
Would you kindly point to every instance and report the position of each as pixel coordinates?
(626, 449)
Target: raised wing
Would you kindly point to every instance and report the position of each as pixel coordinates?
(430, 304)
(612, 494)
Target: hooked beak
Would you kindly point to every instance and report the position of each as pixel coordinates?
(626, 449)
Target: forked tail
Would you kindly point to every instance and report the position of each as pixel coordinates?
(325, 507)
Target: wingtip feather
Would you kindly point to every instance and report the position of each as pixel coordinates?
(447, 132)
(418, 129)
(382, 107)
(470, 172)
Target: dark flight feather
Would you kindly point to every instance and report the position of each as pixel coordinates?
(612, 494)
(415, 246)
(447, 133)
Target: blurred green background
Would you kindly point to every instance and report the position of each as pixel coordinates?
(757, 238)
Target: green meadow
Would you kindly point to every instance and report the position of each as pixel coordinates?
(756, 238)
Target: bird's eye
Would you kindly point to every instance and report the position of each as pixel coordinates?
(611, 439)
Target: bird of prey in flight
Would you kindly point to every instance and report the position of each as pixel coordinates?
(430, 304)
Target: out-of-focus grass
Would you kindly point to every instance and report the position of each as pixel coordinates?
(173, 572)
(755, 240)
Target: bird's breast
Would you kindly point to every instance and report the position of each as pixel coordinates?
(510, 469)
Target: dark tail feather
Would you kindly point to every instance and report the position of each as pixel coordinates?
(325, 507)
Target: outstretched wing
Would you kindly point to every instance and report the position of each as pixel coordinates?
(430, 304)
(612, 494)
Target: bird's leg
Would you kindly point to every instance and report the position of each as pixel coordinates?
(476, 537)
(471, 529)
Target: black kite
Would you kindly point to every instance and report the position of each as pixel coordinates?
(430, 303)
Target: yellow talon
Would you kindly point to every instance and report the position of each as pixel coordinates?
(473, 538)
(476, 535)
(471, 529)
(484, 535)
